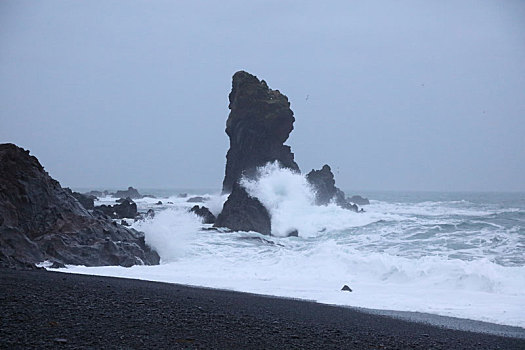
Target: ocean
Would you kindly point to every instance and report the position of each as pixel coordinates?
(451, 254)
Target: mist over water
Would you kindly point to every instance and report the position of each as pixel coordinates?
(449, 254)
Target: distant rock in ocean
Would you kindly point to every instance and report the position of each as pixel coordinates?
(323, 183)
(40, 220)
(259, 123)
(126, 209)
(197, 199)
(359, 200)
(131, 192)
(204, 213)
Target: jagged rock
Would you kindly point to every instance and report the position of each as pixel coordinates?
(204, 213)
(259, 123)
(131, 192)
(43, 221)
(197, 199)
(359, 200)
(125, 209)
(87, 201)
(323, 183)
(244, 213)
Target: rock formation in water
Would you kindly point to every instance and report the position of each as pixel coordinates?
(323, 183)
(359, 200)
(126, 209)
(197, 199)
(204, 213)
(131, 192)
(259, 123)
(40, 220)
(244, 213)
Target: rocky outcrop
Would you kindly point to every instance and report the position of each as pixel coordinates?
(244, 213)
(131, 192)
(126, 209)
(204, 213)
(87, 201)
(40, 220)
(323, 183)
(359, 200)
(259, 123)
(197, 199)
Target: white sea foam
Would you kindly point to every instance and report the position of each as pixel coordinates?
(452, 258)
(290, 200)
(305, 269)
(170, 231)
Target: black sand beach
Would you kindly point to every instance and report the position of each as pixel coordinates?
(48, 310)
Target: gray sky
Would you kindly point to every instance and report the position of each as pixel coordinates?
(403, 95)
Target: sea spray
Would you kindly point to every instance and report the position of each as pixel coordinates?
(290, 200)
(455, 255)
(170, 231)
(215, 203)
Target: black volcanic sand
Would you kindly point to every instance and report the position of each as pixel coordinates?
(41, 310)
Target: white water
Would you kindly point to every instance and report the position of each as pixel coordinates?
(452, 257)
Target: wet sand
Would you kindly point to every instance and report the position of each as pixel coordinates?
(50, 310)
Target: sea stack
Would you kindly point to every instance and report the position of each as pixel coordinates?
(40, 220)
(326, 191)
(259, 123)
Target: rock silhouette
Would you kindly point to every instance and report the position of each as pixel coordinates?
(126, 209)
(204, 213)
(244, 213)
(131, 192)
(323, 183)
(259, 123)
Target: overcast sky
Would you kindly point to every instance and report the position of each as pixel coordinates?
(402, 95)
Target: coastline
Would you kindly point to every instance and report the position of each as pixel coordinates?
(449, 322)
(44, 309)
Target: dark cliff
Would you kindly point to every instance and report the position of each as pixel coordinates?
(40, 220)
